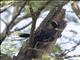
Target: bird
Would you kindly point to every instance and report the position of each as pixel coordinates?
(43, 34)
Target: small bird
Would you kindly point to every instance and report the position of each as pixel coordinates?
(42, 35)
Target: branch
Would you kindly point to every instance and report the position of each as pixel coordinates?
(37, 13)
(73, 48)
(11, 24)
(1, 11)
(23, 27)
(4, 22)
(52, 13)
(68, 51)
(34, 18)
(72, 56)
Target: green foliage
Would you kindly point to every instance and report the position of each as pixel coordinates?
(56, 49)
(35, 5)
(9, 47)
(47, 57)
(4, 3)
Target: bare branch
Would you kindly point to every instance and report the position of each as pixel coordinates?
(34, 18)
(36, 13)
(67, 57)
(4, 22)
(73, 48)
(1, 11)
(23, 27)
(69, 50)
(11, 24)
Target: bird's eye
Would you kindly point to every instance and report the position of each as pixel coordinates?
(54, 24)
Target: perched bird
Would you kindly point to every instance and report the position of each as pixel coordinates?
(42, 35)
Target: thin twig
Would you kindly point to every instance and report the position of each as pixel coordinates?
(34, 18)
(23, 27)
(67, 57)
(1, 11)
(14, 17)
(37, 13)
(11, 24)
(4, 22)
